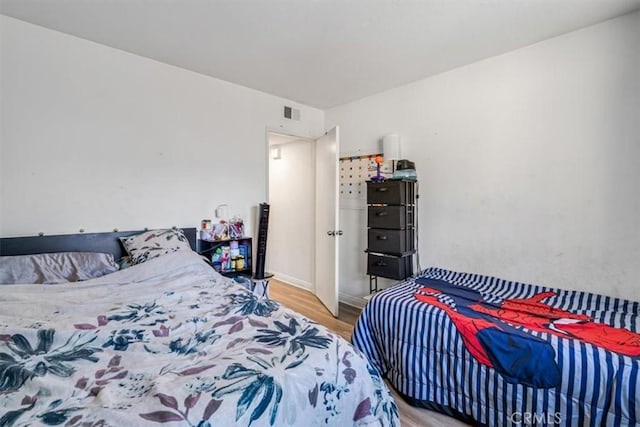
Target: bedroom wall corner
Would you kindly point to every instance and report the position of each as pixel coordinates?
(527, 161)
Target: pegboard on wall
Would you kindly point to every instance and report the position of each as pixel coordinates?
(355, 171)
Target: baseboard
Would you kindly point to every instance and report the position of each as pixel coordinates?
(293, 281)
(347, 299)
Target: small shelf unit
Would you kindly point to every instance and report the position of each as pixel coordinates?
(208, 248)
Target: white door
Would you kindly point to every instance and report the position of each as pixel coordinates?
(327, 227)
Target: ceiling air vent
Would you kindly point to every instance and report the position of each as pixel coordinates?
(291, 113)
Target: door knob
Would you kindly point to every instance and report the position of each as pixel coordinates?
(339, 232)
(331, 233)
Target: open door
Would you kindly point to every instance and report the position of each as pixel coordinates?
(327, 214)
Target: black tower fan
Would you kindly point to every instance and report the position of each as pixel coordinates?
(263, 213)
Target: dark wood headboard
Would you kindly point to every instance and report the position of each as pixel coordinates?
(83, 242)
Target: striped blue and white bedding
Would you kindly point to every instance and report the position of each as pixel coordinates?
(419, 349)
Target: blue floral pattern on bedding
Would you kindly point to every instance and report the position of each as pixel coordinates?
(185, 347)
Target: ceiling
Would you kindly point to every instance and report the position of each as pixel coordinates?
(321, 53)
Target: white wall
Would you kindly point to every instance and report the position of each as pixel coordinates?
(528, 162)
(96, 138)
(290, 246)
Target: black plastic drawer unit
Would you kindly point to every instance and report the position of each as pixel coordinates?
(391, 230)
(395, 242)
(390, 193)
(391, 267)
(390, 217)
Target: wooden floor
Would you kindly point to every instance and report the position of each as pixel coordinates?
(307, 304)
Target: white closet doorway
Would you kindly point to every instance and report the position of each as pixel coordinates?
(302, 249)
(290, 244)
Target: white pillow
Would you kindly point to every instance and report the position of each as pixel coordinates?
(154, 243)
(52, 268)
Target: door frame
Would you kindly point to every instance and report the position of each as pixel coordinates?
(271, 130)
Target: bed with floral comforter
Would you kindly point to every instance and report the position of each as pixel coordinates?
(171, 342)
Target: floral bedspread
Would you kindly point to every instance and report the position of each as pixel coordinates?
(172, 342)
